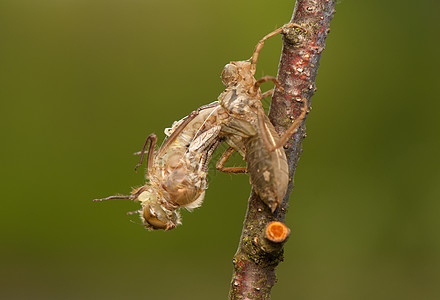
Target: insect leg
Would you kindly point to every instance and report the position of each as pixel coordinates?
(152, 138)
(260, 44)
(134, 194)
(268, 78)
(267, 94)
(130, 197)
(221, 162)
(274, 80)
(269, 143)
(292, 129)
(206, 157)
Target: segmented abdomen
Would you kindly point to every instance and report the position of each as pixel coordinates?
(268, 171)
(181, 170)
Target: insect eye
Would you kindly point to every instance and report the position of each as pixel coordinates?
(229, 74)
(155, 217)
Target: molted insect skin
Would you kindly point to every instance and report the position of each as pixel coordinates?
(268, 170)
(239, 99)
(267, 166)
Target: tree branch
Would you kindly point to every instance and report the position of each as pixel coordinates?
(264, 234)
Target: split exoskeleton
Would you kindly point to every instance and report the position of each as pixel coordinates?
(176, 172)
(266, 160)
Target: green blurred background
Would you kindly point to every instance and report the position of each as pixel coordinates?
(83, 82)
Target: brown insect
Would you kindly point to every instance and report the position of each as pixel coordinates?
(176, 173)
(266, 160)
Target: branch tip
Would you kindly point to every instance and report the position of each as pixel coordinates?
(277, 232)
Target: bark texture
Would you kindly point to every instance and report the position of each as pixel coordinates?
(259, 253)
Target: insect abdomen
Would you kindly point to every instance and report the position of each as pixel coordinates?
(268, 171)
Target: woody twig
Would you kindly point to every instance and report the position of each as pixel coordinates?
(264, 233)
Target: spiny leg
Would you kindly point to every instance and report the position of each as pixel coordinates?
(152, 138)
(221, 162)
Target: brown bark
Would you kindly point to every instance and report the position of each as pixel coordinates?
(261, 243)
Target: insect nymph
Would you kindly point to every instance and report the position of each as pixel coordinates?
(266, 160)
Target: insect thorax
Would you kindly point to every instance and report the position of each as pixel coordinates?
(239, 104)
